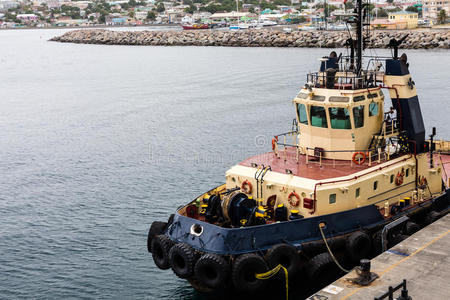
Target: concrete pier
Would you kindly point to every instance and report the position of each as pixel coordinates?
(422, 259)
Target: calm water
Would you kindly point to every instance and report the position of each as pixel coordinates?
(96, 142)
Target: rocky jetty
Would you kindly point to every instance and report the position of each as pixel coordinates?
(417, 39)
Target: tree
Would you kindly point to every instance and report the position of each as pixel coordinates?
(160, 7)
(190, 9)
(442, 16)
(412, 9)
(265, 4)
(382, 13)
(151, 16)
(131, 14)
(251, 10)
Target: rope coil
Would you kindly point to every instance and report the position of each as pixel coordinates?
(271, 273)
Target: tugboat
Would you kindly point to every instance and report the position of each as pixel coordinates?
(349, 180)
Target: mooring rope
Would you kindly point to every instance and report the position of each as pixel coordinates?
(331, 253)
(270, 273)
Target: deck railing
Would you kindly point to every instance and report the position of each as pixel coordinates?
(282, 142)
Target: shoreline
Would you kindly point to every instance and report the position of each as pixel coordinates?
(424, 39)
(92, 27)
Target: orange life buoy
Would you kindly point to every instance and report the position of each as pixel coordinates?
(359, 161)
(246, 187)
(422, 180)
(274, 142)
(294, 202)
(399, 178)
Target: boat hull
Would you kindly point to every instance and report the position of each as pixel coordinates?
(303, 234)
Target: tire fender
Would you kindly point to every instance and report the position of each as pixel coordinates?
(244, 269)
(212, 270)
(182, 260)
(284, 254)
(358, 246)
(156, 228)
(160, 246)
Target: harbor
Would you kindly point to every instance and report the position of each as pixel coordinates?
(253, 150)
(422, 260)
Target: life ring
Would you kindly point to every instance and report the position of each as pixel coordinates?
(182, 260)
(399, 178)
(358, 246)
(247, 187)
(244, 268)
(291, 200)
(211, 270)
(274, 142)
(422, 180)
(359, 161)
(161, 246)
(285, 255)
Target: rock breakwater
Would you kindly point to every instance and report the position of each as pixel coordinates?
(416, 39)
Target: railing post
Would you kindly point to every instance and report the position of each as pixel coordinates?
(370, 158)
(320, 158)
(306, 158)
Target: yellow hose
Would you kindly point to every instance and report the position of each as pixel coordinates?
(270, 273)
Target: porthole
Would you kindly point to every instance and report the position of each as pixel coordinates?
(407, 172)
(375, 185)
(392, 178)
(357, 192)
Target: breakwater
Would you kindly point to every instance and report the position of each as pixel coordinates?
(417, 39)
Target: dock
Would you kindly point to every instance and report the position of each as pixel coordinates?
(422, 259)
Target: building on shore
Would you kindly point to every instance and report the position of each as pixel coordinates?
(400, 17)
(431, 8)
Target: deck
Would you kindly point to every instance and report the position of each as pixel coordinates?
(325, 169)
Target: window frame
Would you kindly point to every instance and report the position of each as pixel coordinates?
(363, 116)
(306, 114)
(332, 196)
(348, 117)
(311, 116)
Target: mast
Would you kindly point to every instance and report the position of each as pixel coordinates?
(359, 36)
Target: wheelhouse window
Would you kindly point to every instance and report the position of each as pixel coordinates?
(359, 98)
(339, 118)
(373, 109)
(302, 113)
(358, 116)
(318, 116)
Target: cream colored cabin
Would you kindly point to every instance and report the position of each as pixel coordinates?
(314, 170)
(340, 122)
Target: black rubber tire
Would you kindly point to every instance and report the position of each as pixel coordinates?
(182, 260)
(397, 239)
(322, 269)
(358, 246)
(212, 270)
(170, 220)
(161, 245)
(431, 217)
(284, 254)
(244, 269)
(410, 228)
(156, 228)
